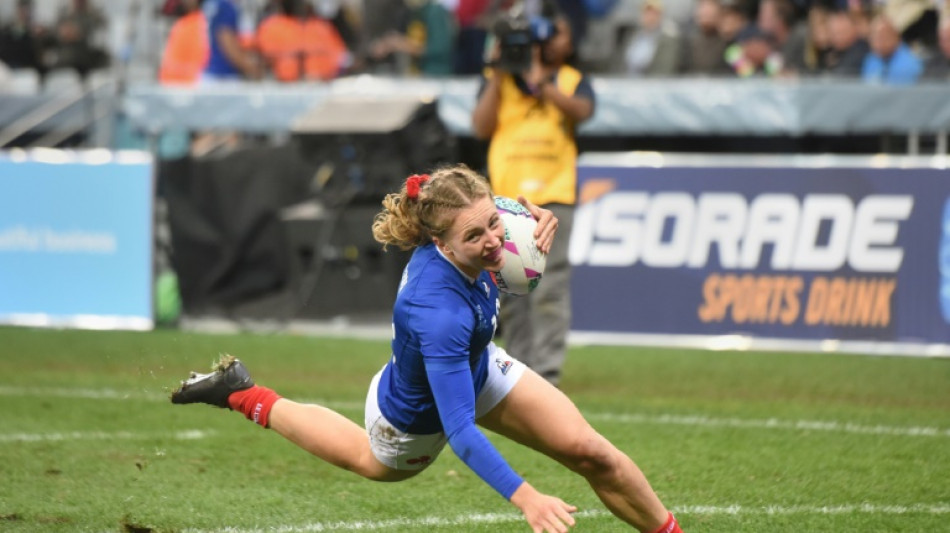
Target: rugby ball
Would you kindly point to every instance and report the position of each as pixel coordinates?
(524, 262)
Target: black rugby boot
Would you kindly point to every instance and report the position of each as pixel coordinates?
(227, 376)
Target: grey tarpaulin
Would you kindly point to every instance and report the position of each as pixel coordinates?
(624, 107)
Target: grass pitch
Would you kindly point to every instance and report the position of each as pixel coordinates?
(731, 441)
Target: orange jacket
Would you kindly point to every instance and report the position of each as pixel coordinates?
(186, 51)
(301, 49)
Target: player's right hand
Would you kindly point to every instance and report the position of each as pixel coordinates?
(547, 224)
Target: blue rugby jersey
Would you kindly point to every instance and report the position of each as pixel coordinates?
(442, 326)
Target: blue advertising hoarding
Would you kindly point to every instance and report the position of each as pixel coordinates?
(76, 239)
(842, 248)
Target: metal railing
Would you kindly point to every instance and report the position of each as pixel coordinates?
(96, 107)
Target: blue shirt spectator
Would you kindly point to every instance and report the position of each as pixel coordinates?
(890, 60)
(902, 68)
(222, 17)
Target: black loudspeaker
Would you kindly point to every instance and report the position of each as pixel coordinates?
(337, 268)
(365, 147)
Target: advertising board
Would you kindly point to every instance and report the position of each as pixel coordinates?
(76, 239)
(812, 248)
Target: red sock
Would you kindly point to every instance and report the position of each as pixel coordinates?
(670, 526)
(255, 403)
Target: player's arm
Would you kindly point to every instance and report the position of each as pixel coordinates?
(451, 382)
(444, 328)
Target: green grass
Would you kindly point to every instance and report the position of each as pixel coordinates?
(88, 441)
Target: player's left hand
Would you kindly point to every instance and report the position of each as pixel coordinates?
(547, 224)
(544, 513)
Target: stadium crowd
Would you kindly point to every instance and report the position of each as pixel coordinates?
(892, 41)
(73, 41)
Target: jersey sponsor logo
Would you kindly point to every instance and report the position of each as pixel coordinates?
(775, 231)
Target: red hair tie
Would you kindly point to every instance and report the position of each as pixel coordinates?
(414, 184)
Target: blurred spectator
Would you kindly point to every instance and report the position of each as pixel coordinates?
(296, 44)
(79, 31)
(789, 35)
(861, 11)
(428, 40)
(228, 59)
(937, 66)
(22, 41)
(186, 48)
(474, 18)
(758, 55)
(344, 15)
(576, 13)
(703, 47)
(652, 48)
(848, 48)
(890, 59)
(818, 45)
(732, 20)
(382, 18)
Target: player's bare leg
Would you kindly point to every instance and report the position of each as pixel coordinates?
(538, 415)
(321, 431)
(331, 437)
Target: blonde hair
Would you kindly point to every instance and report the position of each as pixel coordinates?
(411, 222)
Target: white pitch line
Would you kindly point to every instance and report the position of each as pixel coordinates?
(496, 518)
(112, 394)
(619, 418)
(87, 394)
(771, 423)
(187, 434)
(860, 508)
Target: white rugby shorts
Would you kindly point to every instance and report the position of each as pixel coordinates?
(405, 451)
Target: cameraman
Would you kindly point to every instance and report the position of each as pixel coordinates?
(530, 111)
